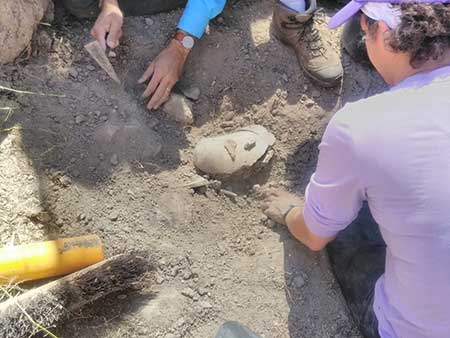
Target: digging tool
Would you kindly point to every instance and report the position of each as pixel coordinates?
(99, 55)
(20, 263)
(49, 305)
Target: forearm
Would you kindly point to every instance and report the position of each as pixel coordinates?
(103, 3)
(298, 228)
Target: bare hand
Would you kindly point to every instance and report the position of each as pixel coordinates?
(164, 71)
(277, 202)
(109, 21)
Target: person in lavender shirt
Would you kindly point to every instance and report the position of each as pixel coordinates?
(380, 196)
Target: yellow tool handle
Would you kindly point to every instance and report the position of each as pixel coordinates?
(49, 259)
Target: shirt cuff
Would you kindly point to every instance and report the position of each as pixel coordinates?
(193, 22)
(316, 226)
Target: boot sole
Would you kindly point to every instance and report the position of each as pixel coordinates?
(322, 83)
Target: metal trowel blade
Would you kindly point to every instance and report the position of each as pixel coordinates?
(98, 54)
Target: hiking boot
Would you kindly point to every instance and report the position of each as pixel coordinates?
(297, 30)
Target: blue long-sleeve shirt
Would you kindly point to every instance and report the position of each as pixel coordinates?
(197, 14)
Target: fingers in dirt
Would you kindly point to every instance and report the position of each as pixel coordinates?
(148, 72)
(161, 95)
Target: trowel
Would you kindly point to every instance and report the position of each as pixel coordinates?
(99, 55)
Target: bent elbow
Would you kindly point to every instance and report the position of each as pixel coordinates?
(316, 245)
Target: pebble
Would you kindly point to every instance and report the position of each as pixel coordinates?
(73, 73)
(187, 274)
(315, 93)
(188, 292)
(80, 119)
(202, 291)
(192, 93)
(149, 21)
(65, 181)
(114, 159)
(229, 115)
(299, 281)
(114, 216)
(111, 54)
(90, 67)
(205, 305)
(179, 109)
(122, 297)
(309, 103)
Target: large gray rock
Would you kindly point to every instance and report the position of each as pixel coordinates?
(18, 20)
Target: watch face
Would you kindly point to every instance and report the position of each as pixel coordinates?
(188, 42)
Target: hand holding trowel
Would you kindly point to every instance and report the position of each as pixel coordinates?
(99, 55)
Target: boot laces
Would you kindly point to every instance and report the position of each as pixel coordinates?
(311, 35)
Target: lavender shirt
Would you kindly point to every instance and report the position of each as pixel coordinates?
(393, 150)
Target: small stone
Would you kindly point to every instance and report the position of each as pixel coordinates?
(114, 160)
(299, 281)
(65, 181)
(315, 93)
(73, 73)
(179, 109)
(90, 67)
(187, 275)
(149, 21)
(81, 217)
(122, 297)
(205, 305)
(188, 292)
(202, 291)
(220, 20)
(228, 116)
(114, 216)
(285, 77)
(309, 103)
(80, 119)
(192, 93)
(111, 54)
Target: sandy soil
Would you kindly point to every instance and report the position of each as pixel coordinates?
(218, 257)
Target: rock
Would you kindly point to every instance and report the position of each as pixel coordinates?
(19, 19)
(309, 103)
(114, 216)
(202, 291)
(73, 73)
(179, 109)
(80, 119)
(192, 93)
(112, 54)
(149, 21)
(188, 292)
(65, 181)
(205, 305)
(228, 116)
(122, 297)
(197, 181)
(298, 282)
(114, 160)
(90, 67)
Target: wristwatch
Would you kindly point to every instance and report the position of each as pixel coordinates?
(288, 210)
(185, 39)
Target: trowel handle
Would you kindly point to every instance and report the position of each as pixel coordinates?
(48, 259)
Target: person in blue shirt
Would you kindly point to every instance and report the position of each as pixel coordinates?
(293, 24)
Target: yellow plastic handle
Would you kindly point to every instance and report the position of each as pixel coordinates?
(49, 259)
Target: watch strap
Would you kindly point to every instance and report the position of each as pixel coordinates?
(288, 210)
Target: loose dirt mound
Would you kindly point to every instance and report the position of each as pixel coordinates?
(18, 20)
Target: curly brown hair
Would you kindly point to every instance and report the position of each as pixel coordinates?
(424, 32)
